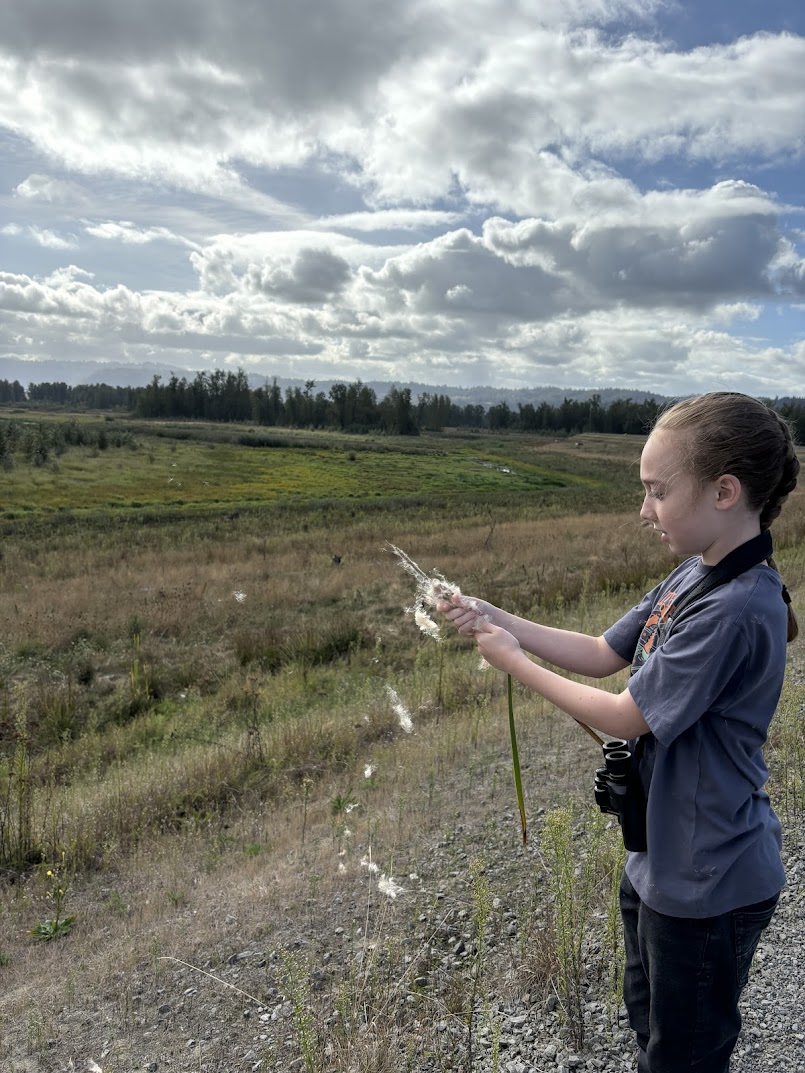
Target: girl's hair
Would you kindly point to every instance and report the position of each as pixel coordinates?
(727, 432)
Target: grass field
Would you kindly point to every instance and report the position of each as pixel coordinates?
(198, 637)
(200, 467)
(122, 623)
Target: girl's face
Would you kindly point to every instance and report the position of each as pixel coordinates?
(679, 508)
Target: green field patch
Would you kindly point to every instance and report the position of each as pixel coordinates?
(193, 474)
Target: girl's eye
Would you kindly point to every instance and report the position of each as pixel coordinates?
(657, 495)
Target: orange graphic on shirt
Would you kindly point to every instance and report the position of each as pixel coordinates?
(660, 613)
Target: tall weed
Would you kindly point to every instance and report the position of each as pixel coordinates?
(786, 753)
(583, 868)
(19, 843)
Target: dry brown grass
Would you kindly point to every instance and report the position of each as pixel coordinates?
(158, 694)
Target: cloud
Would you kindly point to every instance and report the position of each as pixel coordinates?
(479, 189)
(48, 189)
(42, 236)
(118, 323)
(412, 99)
(690, 251)
(694, 266)
(315, 275)
(130, 234)
(299, 54)
(250, 330)
(315, 259)
(522, 299)
(51, 240)
(458, 275)
(493, 127)
(401, 219)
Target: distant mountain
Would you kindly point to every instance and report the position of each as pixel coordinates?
(84, 372)
(487, 396)
(97, 372)
(481, 395)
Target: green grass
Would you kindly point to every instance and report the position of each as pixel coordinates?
(199, 467)
(192, 475)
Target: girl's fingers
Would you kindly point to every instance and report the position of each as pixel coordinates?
(455, 616)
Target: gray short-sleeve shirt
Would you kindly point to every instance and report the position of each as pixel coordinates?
(708, 693)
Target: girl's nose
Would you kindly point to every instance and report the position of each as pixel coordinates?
(645, 511)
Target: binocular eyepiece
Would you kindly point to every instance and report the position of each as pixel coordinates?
(619, 792)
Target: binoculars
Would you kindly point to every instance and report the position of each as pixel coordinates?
(619, 792)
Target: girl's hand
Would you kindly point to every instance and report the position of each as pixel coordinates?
(464, 612)
(499, 648)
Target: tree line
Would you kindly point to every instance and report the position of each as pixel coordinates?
(348, 407)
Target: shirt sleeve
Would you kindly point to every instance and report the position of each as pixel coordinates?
(687, 674)
(622, 636)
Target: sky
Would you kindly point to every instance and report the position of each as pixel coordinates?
(580, 193)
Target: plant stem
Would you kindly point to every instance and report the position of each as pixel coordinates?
(518, 780)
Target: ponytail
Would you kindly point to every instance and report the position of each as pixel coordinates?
(773, 506)
(792, 631)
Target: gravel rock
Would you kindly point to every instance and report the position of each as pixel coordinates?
(423, 942)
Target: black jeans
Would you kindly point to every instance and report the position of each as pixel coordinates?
(682, 982)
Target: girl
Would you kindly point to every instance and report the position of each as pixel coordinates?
(715, 470)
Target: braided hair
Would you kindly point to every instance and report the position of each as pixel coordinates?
(728, 432)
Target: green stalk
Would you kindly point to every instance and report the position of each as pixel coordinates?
(518, 779)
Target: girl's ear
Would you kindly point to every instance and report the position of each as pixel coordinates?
(728, 491)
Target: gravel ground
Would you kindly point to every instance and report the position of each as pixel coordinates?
(179, 1021)
(773, 1037)
(161, 1016)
